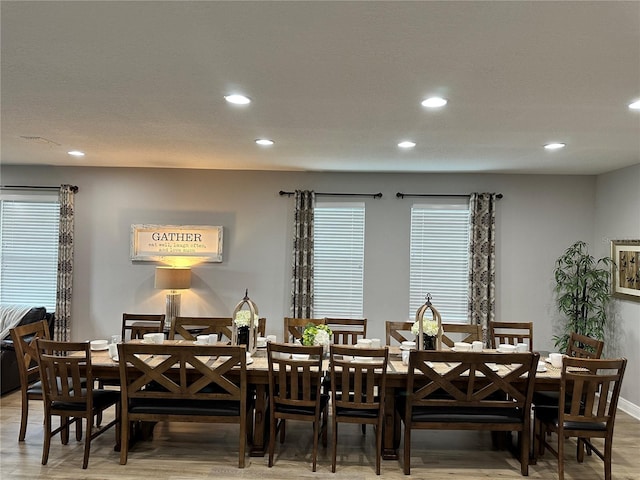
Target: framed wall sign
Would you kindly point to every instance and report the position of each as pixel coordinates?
(159, 242)
(626, 272)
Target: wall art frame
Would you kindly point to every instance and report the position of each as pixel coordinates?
(625, 277)
(161, 243)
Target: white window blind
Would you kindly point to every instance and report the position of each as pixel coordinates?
(338, 265)
(439, 259)
(29, 254)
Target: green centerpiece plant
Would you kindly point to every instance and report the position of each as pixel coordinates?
(583, 293)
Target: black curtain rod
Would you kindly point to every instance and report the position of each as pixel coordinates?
(74, 188)
(402, 195)
(321, 194)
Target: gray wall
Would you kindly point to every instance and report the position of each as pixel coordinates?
(618, 218)
(538, 218)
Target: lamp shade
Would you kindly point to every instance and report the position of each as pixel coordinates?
(169, 278)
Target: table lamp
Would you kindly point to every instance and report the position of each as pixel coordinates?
(174, 279)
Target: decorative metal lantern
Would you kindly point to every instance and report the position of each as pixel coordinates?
(436, 318)
(241, 334)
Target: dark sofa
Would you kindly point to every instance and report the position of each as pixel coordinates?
(9, 374)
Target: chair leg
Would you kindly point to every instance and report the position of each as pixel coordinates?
(560, 455)
(273, 426)
(79, 429)
(24, 417)
(407, 450)
(378, 429)
(316, 434)
(607, 458)
(87, 440)
(334, 441)
(47, 438)
(124, 439)
(64, 434)
(282, 427)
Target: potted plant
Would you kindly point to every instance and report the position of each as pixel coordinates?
(583, 293)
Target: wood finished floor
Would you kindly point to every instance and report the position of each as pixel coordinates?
(181, 451)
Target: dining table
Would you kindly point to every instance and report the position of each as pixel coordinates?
(105, 367)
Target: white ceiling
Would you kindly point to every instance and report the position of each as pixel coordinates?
(336, 84)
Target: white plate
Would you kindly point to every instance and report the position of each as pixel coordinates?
(541, 370)
(98, 349)
(454, 349)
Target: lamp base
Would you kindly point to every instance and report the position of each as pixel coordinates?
(173, 307)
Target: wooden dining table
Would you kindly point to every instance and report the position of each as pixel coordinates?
(258, 377)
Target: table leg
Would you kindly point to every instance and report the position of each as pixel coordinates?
(391, 430)
(261, 423)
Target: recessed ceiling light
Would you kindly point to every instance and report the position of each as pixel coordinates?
(555, 146)
(635, 105)
(265, 142)
(434, 102)
(76, 153)
(237, 99)
(407, 144)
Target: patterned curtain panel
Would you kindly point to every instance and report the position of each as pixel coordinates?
(62, 329)
(302, 279)
(482, 257)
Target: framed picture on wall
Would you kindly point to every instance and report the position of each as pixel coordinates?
(157, 243)
(625, 281)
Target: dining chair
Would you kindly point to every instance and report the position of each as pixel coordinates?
(358, 379)
(347, 331)
(295, 376)
(137, 324)
(189, 327)
(512, 333)
(586, 409)
(183, 383)
(398, 331)
(24, 343)
(67, 386)
(579, 346)
(460, 332)
(448, 390)
(294, 327)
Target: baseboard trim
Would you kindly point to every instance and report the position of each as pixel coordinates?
(630, 408)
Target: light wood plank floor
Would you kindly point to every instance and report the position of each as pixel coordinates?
(181, 451)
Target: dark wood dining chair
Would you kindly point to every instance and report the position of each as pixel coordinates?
(24, 343)
(67, 386)
(460, 332)
(579, 346)
(358, 379)
(586, 409)
(398, 331)
(295, 393)
(190, 327)
(511, 333)
(137, 324)
(294, 327)
(183, 383)
(347, 331)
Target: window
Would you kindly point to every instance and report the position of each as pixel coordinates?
(439, 259)
(29, 253)
(338, 263)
